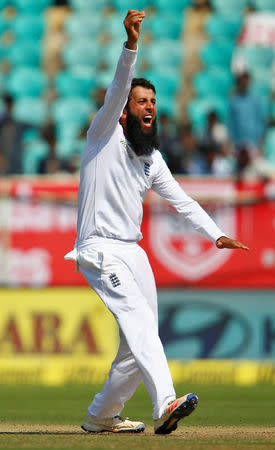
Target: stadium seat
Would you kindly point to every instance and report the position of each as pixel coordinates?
(25, 53)
(31, 110)
(35, 150)
(213, 81)
(163, 52)
(77, 82)
(269, 145)
(174, 5)
(166, 25)
(88, 5)
(28, 26)
(80, 52)
(81, 24)
(72, 110)
(257, 57)
(124, 5)
(263, 5)
(229, 7)
(217, 53)
(218, 26)
(199, 108)
(166, 80)
(26, 82)
(32, 6)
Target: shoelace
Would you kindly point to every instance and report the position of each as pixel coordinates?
(121, 418)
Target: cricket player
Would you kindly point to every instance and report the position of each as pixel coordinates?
(120, 163)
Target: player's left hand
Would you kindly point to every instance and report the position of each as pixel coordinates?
(226, 242)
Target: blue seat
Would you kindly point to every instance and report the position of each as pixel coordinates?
(269, 145)
(26, 82)
(77, 82)
(80, 24)
(34, 151)
(213, 81)
(166, 81)
(80, 52)
(217, 53)
(229, 7)
(31, 110)
(165, 25)
(32, 6)
(257, 57)
(263, 5)
(175, 5)
(164, 52)
(24, 53)
(198, 110)
(28, 26)
(72, 111)
(124, 5)
(88, 5)
(218, 26)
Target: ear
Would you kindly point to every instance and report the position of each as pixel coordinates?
(124, 114)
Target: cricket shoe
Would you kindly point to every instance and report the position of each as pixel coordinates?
(117, 424)
(175, 410)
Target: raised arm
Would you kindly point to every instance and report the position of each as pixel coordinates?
(117, 94)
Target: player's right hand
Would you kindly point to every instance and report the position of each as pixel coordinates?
(132, 23)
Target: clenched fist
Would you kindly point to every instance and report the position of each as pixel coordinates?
(132, 23)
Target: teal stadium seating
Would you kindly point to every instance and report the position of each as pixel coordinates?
(219, 26)
(88, 5)
(165, 25)
(26, 82)
(28, 26)
(77, 82)
(24, 53)
(81, 24)
(124, 5)
(217, 53)
(229, 7)
(269, 146)
(31, 6)
(31, 110)
(172, 5)
(199, 108)
(72, 111)
(216, 80)
(80, 51)
(263, 5)
(35, 150)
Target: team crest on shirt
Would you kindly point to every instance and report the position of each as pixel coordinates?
(175, 243)
(127, 148)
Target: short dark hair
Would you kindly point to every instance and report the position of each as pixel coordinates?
(143, 82)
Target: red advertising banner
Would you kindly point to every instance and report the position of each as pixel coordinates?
(38, 226)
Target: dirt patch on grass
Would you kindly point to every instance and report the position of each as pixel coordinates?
(257, 433)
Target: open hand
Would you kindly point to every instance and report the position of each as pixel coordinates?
(132, 23)
(226, 242)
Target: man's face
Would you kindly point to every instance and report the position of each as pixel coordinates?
(142, 105)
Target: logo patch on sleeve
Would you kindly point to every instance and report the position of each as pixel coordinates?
(114, 280)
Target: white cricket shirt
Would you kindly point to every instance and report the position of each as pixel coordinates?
(114, 181)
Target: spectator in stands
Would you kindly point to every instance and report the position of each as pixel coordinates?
(248, 167)
(215, 148)
(11, 140)
(246, 120)
(51, 164)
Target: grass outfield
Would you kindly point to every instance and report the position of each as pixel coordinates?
(49, 417)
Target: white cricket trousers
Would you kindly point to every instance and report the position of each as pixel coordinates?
(121, 275)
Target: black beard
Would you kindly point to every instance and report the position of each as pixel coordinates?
(142, 143)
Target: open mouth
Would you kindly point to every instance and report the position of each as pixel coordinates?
(147, 121)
